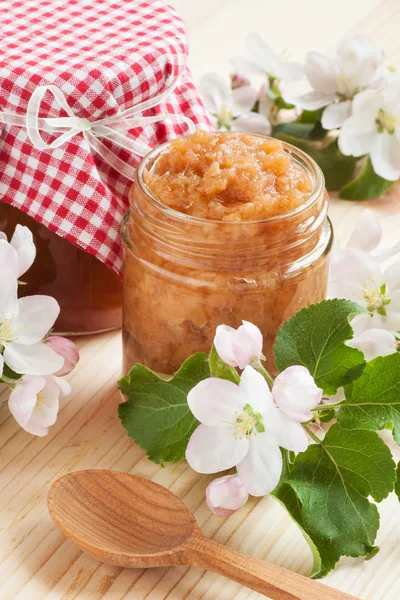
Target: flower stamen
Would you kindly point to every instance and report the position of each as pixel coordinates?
(248, 423)
(386, 121)
(377, 298)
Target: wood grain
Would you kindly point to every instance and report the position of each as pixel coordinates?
(129, 521)
(36, 562)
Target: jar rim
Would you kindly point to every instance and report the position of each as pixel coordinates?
(306, 161)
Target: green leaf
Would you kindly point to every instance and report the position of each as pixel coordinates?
(315, 338)
(304, 131)
(333, 480)
(397, 486)
(326, 416)
(157, 415)
(337, 168)
(325, 555)
(286, 496)
(10, 374)
(373, 401)
(218, 368)
(366, 185)
(311, 116)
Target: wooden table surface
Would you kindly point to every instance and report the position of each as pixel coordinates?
(37, 562)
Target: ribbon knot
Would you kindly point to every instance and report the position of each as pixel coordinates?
(85, 125)
(112, 128)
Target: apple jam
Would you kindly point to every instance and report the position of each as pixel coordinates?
(89, 293)
(222, 227)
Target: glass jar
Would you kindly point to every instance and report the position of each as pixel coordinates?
(185, 275)
(89, 293)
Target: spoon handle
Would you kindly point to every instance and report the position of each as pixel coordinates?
(275, 582)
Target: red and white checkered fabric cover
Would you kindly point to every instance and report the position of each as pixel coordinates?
(105, 55)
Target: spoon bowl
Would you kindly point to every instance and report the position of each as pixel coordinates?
(134, 520)
(129, 521)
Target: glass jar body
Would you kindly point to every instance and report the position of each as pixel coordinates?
(185, 276)
(89, 293)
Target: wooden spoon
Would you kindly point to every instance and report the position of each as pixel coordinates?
(128, 521)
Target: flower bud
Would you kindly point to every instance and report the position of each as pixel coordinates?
(239, 347)
(226, 495)
(67, 350)
(296, 393)
(238, 80)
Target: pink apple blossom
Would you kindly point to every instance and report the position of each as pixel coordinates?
(65, 348)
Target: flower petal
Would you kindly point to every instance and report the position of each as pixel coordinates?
(22, 241)
(367, 233)
(261, 53)
(320, 73)
(63, 385)
(35, 318)
(385, 156)
(260, 470)
(215, 92)
(23, 398)
(392, 277)
(361, 61)
(247, 344)
(8, 294)
(214, 402)
(245, 66)
(46, 410)
(8, 258)
(36, 359)
(252, 123)
(243, 100)
(375, 342)
(310, 101)
(255, 391)
(214, 449)
(336, 114)
(296, 393)
(287, 433)
(351, 271)
(290, 71)
(223, 342)
(1, 364)
(355, 141)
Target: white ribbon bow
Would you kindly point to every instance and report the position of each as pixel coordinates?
(111, 128)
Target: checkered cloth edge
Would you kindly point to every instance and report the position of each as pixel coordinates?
(105, 56)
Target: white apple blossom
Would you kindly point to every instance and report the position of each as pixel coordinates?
(225, 495)
(239, 347)
(240, 425)
(357, 274)
(231, 108)
(34, 403)
(374, 129)
(17, 255)
(23, 324)
(264, 62)
(336, 81)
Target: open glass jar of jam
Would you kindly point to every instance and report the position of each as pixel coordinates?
(246, 247)
(89, 293)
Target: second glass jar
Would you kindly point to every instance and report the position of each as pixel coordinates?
(184, 276)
